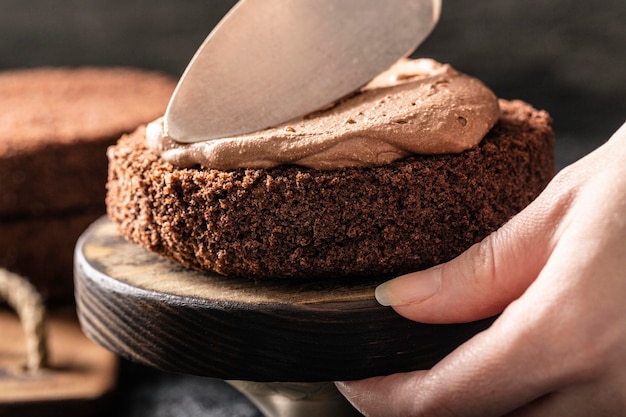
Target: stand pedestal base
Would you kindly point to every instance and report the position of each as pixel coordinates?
(293, 399)
(158, 313)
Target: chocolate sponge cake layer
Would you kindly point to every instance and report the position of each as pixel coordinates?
(292, 222)
(56, 126)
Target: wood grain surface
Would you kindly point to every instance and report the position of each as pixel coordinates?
(155, 312)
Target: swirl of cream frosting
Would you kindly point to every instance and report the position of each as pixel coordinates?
(416, 107)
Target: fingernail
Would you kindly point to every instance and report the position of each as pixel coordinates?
(409, 289)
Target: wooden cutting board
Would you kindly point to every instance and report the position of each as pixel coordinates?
(79, 377)
(158, 313)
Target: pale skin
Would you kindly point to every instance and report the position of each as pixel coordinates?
(557, 273)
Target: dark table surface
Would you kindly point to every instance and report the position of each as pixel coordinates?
(565, 56)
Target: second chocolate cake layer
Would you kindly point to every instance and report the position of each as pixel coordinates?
(292, 222)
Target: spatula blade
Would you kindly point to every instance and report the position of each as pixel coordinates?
(269, 61)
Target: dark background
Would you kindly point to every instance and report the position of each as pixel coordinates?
(565, 56)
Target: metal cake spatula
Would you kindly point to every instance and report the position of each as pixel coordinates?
(269, 61)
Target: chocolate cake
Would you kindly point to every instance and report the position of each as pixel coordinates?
(56, 126)
(290, 221)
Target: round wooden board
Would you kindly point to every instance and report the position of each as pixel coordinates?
(158, 313)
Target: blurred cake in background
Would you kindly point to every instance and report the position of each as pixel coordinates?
(56, 124)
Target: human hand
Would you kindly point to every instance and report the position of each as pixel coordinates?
(557, 272)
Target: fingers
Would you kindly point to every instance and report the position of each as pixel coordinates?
(495, 373)
(544, 356)
(484, 377)
(578, 401)
(482, 281)
(387, 396)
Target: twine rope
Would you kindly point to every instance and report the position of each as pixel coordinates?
(22, 296)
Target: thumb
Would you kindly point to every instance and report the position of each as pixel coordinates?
(479, 283)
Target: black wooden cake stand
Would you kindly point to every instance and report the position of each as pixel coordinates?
(280, 343)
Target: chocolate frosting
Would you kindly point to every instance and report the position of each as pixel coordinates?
(415, 107)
